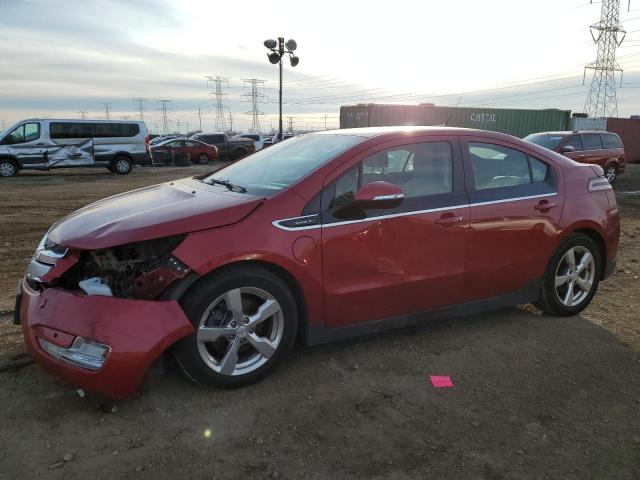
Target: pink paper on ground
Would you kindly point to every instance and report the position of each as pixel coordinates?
(439, 381)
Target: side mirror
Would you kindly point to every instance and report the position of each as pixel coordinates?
(379, 195)
(568, 149)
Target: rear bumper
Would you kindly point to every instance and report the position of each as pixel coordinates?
(136, 332)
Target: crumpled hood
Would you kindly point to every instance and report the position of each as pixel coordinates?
(162, 210)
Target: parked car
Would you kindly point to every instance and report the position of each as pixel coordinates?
(199, 152)
(163, 138)
(43, 144)
(258, 140)
(322, 237)
(233, 149)
(592, 147)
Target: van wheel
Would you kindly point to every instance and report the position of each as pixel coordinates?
(572, 276)
(245, 322)
(121, 165)
(8, 168)
(238, 154)
(611, 172)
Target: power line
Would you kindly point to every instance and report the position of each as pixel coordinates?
(220, 122)
(601, 100)
(165, 123)
(107, 109)
(255, 98)
(140, 101)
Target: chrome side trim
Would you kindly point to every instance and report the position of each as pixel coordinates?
(394, 196)
(504, 200)
(276, 223)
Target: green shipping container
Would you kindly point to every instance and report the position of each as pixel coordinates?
(519, 123)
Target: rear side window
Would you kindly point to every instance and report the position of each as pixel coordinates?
(611, 141)
(575, 142)
(497, 166)
(539, 170)
(110, 130)
(61, 130)
(591, 141)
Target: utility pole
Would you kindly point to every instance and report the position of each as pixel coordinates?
(178, 125)
(230, 122)
(220, 122)
(165, 124)
(107, 108)
(255, 97)
(83, 114)
(607, 34)
(290, 122)
(140, 107)
(325, 121)
(125, 117)
(279, 49)
(199, 119)
(187, 129)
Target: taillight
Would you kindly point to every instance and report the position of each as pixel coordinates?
(598, 184)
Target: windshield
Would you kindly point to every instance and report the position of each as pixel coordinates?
(547, 140)
(268, 171)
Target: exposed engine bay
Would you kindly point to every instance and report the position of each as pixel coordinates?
(135, 270)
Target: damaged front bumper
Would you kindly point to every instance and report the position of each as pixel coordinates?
(101, 344)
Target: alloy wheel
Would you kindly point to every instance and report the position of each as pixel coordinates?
(240, 331)
(7, 169)
(575, 276)
(122, 166)
(204, 159)
(611, 173)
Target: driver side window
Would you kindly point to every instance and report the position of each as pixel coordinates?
(24, 133)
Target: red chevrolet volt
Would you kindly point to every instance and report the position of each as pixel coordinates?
(323, 237)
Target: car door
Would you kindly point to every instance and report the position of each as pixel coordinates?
(386, 263)
(593, 152)
(71, 144)
(26, 143)
(516, 202)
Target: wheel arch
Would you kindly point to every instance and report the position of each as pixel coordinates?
(595, 235)
(182, 287)
(12, 159)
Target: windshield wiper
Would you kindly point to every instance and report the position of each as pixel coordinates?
(228, 184)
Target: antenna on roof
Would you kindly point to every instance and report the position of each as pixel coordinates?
(446, 124)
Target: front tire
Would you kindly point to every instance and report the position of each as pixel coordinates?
(203, 159)
(121, 165)
(572, 276)
(245, 322)
(8, 168)
(611, 172)
(238, 154)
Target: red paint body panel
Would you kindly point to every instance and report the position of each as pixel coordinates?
(346, 273)
(152, 212)
(137, 331)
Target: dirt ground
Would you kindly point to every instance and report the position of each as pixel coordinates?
(533, 397)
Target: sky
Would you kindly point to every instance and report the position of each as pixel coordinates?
(59, 58)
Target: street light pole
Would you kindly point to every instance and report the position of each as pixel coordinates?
(278, 50)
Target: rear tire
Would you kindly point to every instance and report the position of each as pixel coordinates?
(121, 165)
(572, 276)
(245, 322)
(8, 168)
(611, 172)
(203, 159)
(238, 154)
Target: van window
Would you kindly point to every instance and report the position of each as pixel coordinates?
(26, 132)
(575, 142)
(611, 141)
(110, 130)
(59, 130)
(591, 141)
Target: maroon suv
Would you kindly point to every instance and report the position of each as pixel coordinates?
(592, 147)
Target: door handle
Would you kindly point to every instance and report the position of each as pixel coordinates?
(545, 205)
(39, 144)
(449, 220)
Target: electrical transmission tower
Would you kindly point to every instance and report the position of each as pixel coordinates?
(165, 122)
(607, 34)
(83, 114)
(291, 125)
(107, 109)
(256, 98)
(140, 108)
(220, 122)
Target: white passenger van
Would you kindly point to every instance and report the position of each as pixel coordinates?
(43, 144)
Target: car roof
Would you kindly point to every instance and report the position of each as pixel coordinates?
(209, 133)
(79, 120)
(569, 132)
(371, 132)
